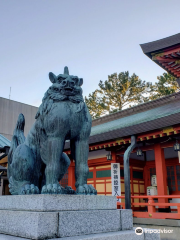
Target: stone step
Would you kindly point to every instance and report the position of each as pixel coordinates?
(120, 235)
(51, 202)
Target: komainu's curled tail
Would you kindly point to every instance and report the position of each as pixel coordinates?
(17, 139)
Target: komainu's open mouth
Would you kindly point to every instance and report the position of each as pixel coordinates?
(69, 89)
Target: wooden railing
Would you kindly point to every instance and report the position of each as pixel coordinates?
(150, 207)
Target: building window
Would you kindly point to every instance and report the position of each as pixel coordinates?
(171, 178)
(137, 174)
(104, 173)
(90, 175)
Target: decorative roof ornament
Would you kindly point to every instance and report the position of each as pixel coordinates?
(66, 70)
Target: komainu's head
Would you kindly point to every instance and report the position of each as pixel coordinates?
(65, 84)
(64, 87)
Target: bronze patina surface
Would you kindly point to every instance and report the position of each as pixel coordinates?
(37, 163)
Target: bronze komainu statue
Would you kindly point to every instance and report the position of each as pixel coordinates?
(37, 163)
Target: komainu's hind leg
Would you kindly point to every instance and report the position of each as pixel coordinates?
(64, 164)
(56, 188)
(80, 149)
(22, 172)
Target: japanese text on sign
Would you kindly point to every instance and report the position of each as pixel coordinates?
(116, 180)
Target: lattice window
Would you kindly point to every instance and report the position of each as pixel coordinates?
(64, 180)
(171, 178)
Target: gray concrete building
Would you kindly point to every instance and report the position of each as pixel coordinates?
(9, 112)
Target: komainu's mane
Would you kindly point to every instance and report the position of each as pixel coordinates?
(53, 95)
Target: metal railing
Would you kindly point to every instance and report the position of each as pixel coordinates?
(151, 208)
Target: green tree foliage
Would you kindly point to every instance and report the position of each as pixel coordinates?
(96, 105)
(165, 85)
(122, 91)
(118, 92)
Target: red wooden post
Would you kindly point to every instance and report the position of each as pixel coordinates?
(178, 209)
(71, 175)
(113, 153)
(151, 209)
(161, 172)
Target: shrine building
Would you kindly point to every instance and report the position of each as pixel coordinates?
(156, 126)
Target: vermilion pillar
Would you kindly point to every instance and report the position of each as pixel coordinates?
(161, 172)
(113, 153)
(71, 175)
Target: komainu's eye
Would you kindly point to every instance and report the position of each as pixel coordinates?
(56, 89)
(60, 79)
(75, 79)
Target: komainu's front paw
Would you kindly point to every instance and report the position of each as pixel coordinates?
(29, 189)
(52, 189)
(86, 190)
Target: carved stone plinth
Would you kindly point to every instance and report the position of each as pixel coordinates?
(63, 216)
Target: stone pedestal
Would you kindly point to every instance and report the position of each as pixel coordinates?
(64, 216)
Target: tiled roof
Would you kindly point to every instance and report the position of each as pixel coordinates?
(4, 142)
(166, 53)
(138, 108)
(138, 118)
(161, 43)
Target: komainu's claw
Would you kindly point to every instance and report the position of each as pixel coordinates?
(29, 189)
(51, 189)
(44, 190)
(36, 190)
(86, 189)
(55, 188)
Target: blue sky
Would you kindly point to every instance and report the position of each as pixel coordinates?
(94, 38)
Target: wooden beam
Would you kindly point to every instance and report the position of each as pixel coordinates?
(159, 59)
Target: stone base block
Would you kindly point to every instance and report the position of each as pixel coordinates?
(54, 202)
(59, 216)
(33, 225)
(38, 225)
(73, 223)
(126, 219)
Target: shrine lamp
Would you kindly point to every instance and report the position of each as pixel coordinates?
(176, 146)
(139, 152)
(109, 156)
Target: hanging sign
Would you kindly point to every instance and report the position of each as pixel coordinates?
(116, 180)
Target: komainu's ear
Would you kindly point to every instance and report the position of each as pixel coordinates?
(52, 77)
(80, 82)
